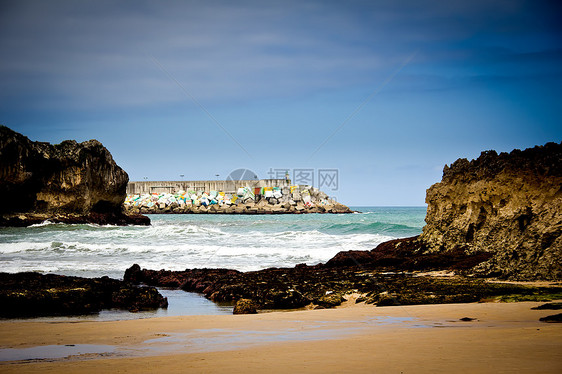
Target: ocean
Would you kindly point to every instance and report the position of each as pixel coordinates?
(178, 242)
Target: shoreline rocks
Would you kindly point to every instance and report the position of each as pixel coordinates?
(323, 286)
(34, 294)
(67, 182)
(28, 219)
(410, 254)
(507, 204)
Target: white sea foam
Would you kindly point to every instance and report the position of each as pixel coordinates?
(16, 247)
(178, 242)
(44, 223)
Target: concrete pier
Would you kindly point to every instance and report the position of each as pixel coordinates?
(226, 186)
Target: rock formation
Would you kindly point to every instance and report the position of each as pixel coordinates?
(508, 204)
(34, 294)
(68, 182)
(328, 286)
(245, 306)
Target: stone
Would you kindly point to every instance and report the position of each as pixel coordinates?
(408, 254)
(360, 299)
(260, 205)
(330, 300)
(69, 180)
(34, 294)
(291, 288)
(245, 306)
(556, 318)
(508, 204)
(388, 300)
(549, 306)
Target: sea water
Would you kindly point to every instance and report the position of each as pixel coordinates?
(179, 242)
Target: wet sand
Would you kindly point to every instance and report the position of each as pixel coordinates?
(504, 337)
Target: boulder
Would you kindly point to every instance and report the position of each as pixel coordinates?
(555, 318)
(245, 306)
(549, 306)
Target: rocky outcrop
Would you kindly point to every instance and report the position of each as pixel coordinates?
(34, 294)
(409, 254)
(74, 182)
(326, 286)
(507, 204)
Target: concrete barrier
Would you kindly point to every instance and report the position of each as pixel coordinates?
(148, 187)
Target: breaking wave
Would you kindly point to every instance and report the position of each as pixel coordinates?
(177, 242)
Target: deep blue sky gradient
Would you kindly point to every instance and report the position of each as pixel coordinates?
(385, 92)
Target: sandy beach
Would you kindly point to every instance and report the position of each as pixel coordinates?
(503, 337)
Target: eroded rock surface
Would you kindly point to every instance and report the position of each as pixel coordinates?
(245, 306)
(507, 204)
(68, 182)
(326, 286)
(34, 294)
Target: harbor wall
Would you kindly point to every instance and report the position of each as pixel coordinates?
(226, 186)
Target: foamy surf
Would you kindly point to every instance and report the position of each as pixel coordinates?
(177, 242)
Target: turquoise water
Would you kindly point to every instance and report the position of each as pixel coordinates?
(177, 242)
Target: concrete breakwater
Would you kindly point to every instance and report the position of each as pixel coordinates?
(283, 199)
(226, 186)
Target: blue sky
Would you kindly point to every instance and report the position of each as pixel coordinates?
(387, 93)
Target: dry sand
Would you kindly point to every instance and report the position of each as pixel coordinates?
(504, 338)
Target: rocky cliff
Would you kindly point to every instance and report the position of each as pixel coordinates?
(68, 181)
(508, 204)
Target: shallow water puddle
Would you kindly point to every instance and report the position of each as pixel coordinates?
(53, 351)
(208, 340)
(222, 339)
(217, 339)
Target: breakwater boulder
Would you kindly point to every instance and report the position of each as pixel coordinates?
(67, 182)
(507, 204)
(34, 294)
(268, 200)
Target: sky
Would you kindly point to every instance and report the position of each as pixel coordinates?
(370, 98)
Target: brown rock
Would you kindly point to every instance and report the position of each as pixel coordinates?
(509, 205)
(245, 306)
(555, 318)
(34, 294)
(62, 180)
